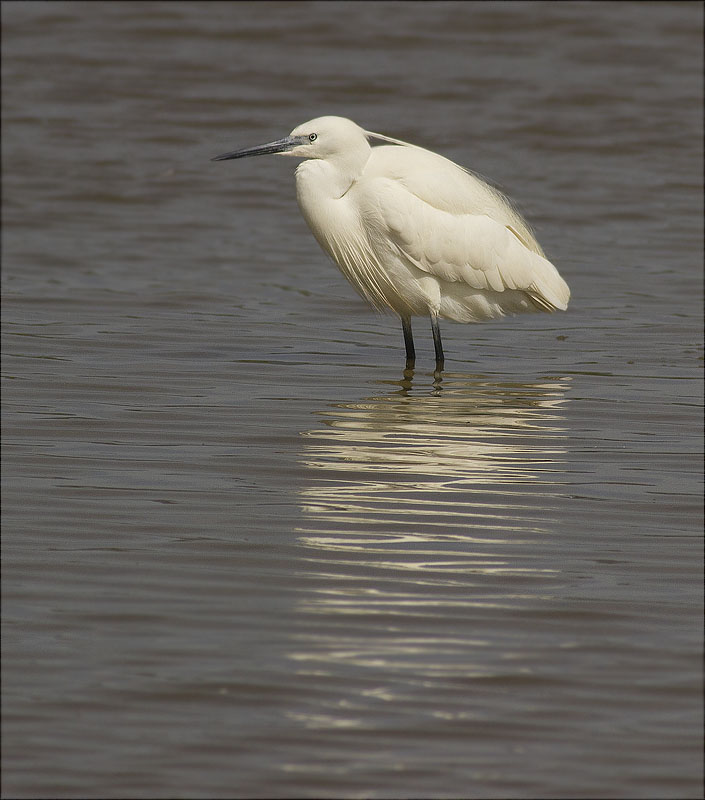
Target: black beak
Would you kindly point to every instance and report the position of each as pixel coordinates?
(280, 146)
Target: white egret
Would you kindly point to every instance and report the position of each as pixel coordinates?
(412, 231)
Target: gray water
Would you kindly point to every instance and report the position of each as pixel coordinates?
(244, 554)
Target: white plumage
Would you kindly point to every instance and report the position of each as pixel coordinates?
(412, 231)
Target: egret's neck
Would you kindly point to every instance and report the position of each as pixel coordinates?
(330, 178)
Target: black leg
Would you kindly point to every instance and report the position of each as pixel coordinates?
(440, 358)
(408, 342)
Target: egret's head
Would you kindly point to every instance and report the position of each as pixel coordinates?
(324, 137)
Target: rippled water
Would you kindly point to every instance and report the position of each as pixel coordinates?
(244, 553)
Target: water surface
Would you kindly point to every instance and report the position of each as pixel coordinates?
(244, 553)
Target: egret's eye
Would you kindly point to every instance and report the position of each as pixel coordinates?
(312, 137)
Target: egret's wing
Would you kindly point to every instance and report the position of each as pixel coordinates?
(447, 187)
(472, 248)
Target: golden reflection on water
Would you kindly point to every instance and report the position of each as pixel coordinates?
(428, 507)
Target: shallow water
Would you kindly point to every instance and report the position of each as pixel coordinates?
(244, 553)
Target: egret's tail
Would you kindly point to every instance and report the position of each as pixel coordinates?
(547, 288)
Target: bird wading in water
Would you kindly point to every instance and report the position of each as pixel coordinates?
(412, 231)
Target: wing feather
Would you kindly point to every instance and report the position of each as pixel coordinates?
(472, 248)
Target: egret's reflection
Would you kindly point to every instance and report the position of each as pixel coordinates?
(468, 454)
(427, 503)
